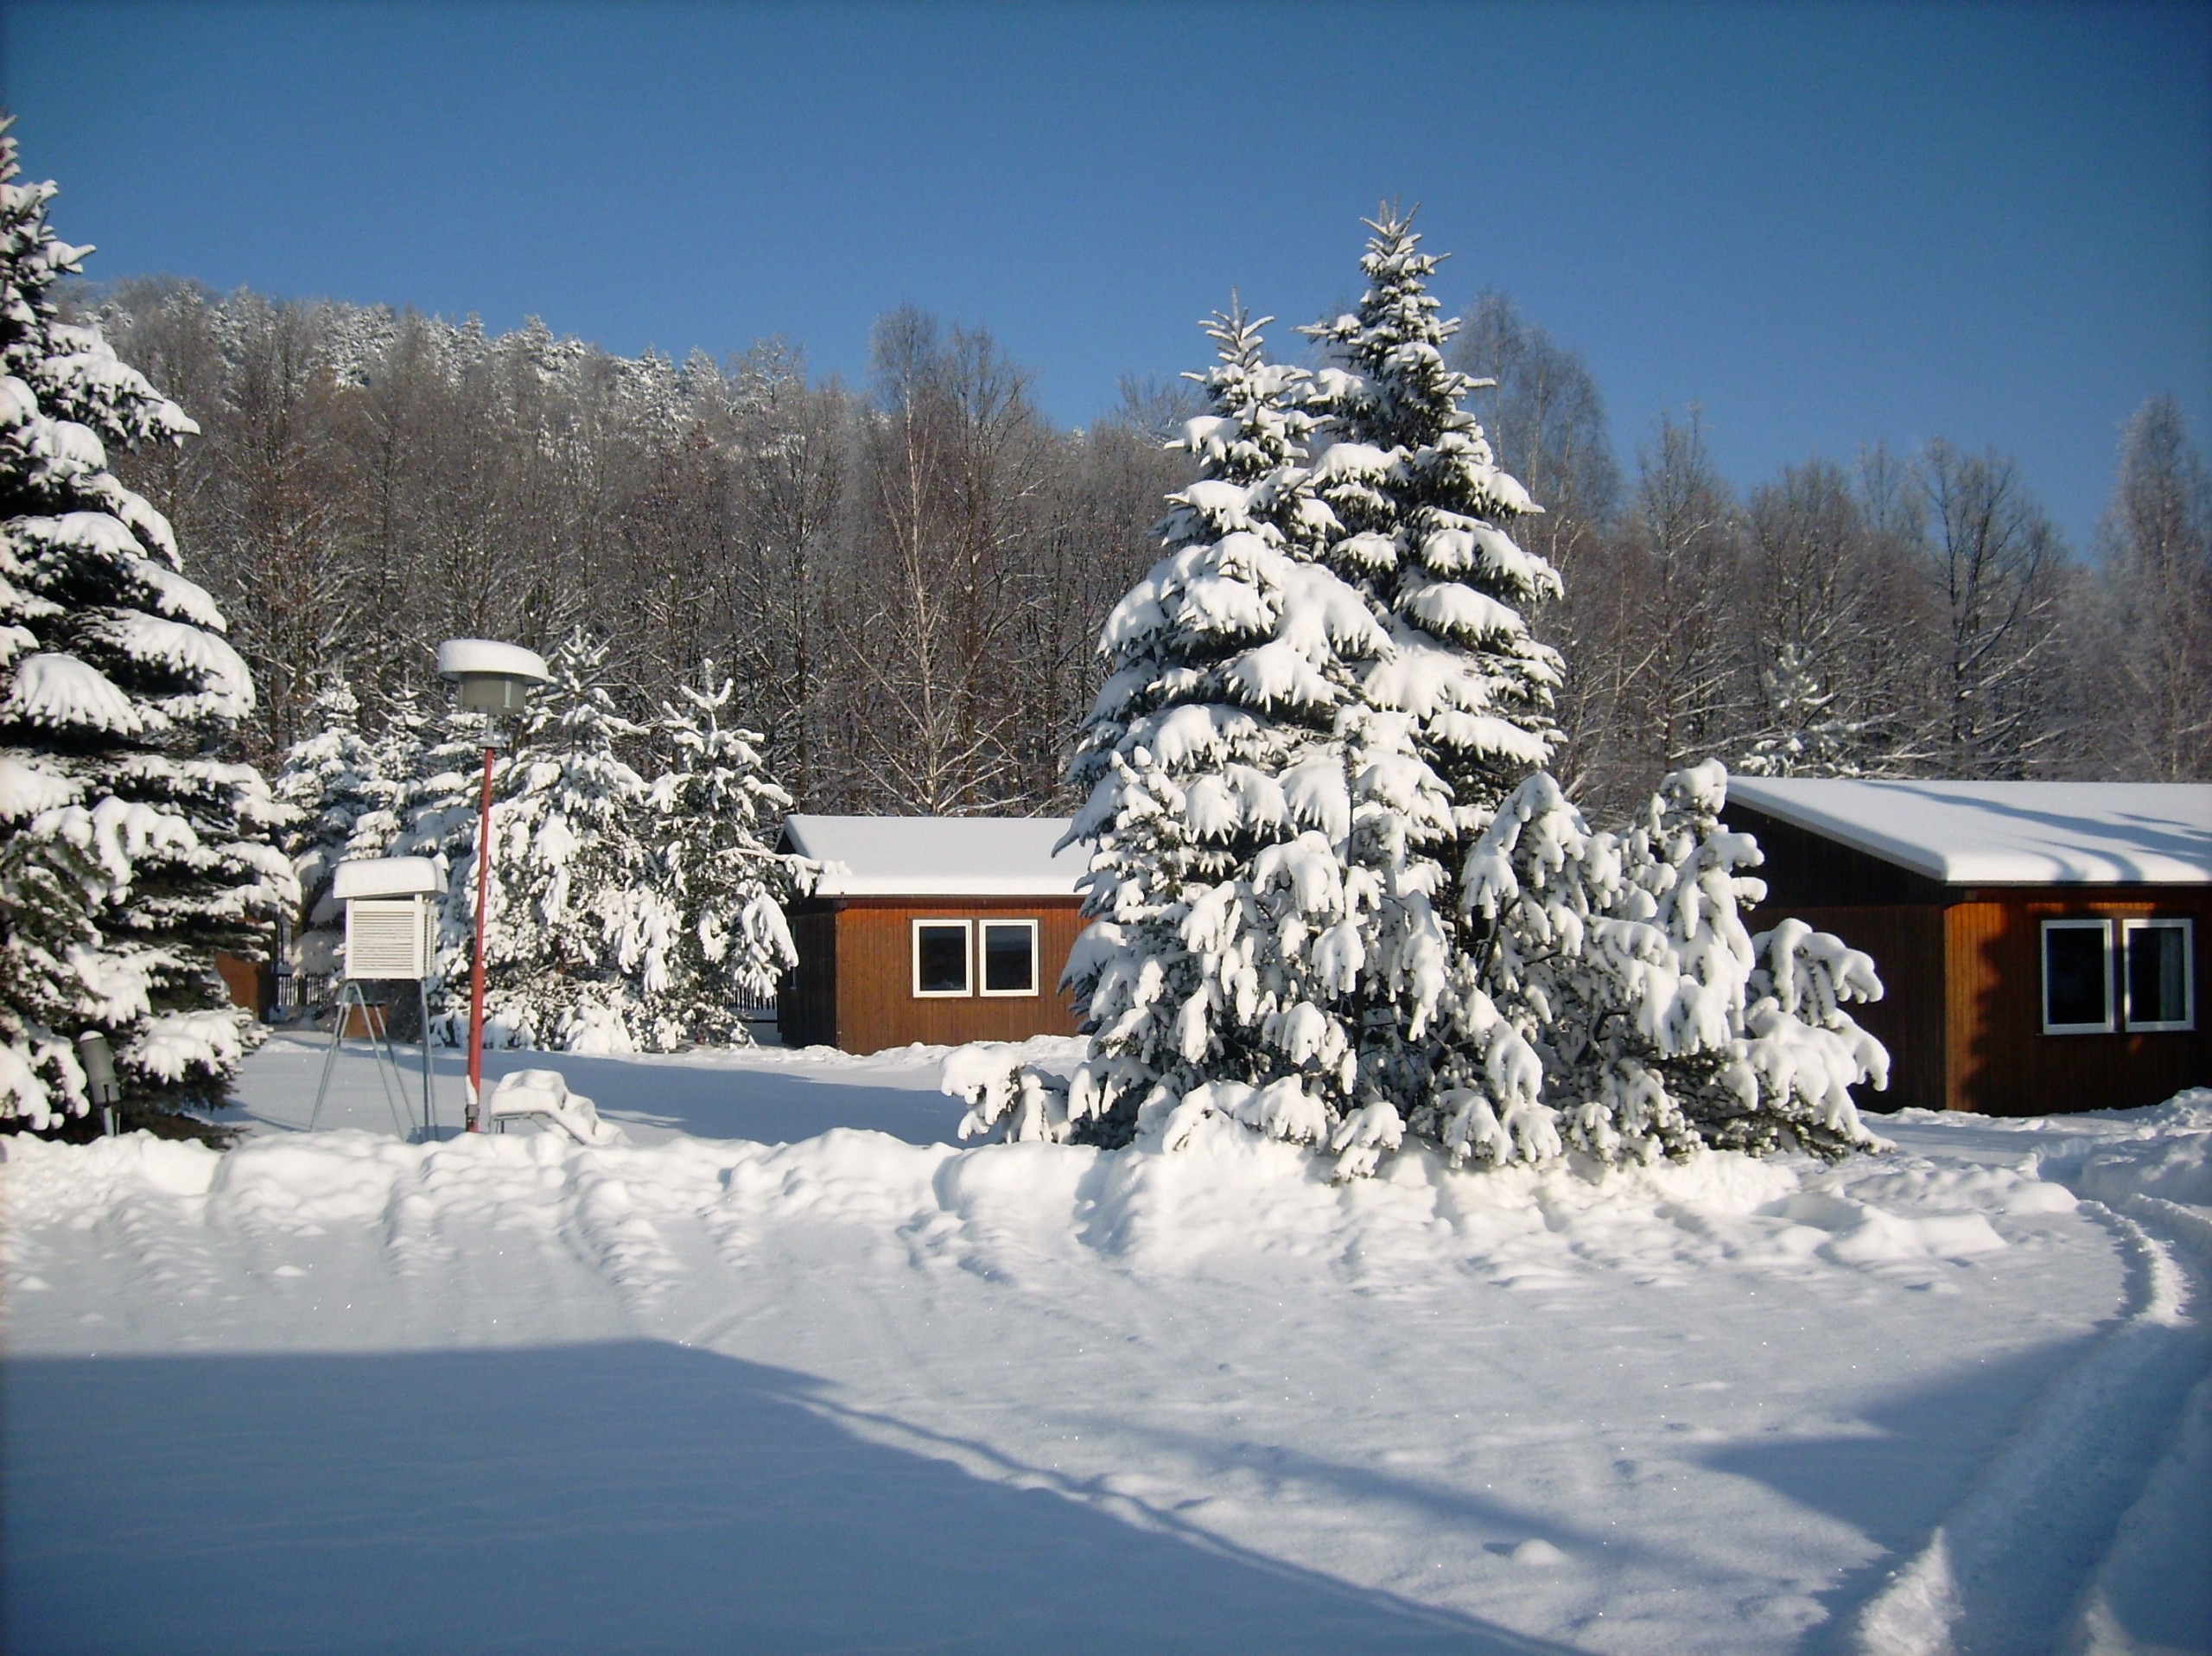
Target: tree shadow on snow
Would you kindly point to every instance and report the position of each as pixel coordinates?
(771, 1103)
(1924, 1447)
(626, 1496)
(774, 1105)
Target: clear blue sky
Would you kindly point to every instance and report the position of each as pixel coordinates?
(1827, 225)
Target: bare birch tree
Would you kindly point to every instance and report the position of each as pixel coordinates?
(2156, 546)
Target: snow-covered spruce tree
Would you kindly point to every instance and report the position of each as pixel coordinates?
(1805, 737)
(702, 929)
(1262, 944)
(134, 852)
(327, 783)
(440, 804)
(1645, 1017)
(567, 856)
(1425, 517)
(396, 759)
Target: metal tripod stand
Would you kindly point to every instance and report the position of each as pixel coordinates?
(393, 1083)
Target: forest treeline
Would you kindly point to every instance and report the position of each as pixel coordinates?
(907, 576)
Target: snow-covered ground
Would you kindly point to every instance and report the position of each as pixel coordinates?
(865, 1390)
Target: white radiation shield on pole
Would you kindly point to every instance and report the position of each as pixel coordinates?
(391, 935)
(494, 680)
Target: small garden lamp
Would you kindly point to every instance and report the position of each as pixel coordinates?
(101, 1086)
(495, 680)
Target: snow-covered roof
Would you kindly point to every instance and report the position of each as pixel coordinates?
(387, 876)
(2006, 833)
(940, 857)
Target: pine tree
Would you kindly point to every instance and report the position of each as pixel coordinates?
(1261, 939)
(703, 929)
(1464, 693)
(440, 804)
(1209, 707)
(1805, 737)
(134, 851)
(1427, 520)
(567, 856)
(327, 782)
(1642, 1016)
(396, 759)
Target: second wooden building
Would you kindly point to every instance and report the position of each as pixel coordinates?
(933, 929)
(2040, 943)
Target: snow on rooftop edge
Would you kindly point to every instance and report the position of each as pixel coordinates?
(940, 857)
(2006, 833)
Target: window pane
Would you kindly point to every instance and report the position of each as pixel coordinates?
(941, 957)
(2158, 991)
(2073, 983)
(1009, 959)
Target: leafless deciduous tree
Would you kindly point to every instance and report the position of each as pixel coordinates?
(1682, 686)
(907, 580)
(2156, 540)
(1995, 565)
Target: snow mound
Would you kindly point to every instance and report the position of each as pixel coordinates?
(2163, 1153)
(543, 1094)
(1859, 1233)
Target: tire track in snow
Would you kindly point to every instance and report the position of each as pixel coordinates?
(609, 1227)
(2010, 1568)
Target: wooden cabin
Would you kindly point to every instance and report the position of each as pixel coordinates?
(936, 929)
(2040, 943)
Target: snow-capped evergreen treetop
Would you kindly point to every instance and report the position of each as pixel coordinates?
(396, 759)
(1806, 737)
(1425, 513)
(133, 852)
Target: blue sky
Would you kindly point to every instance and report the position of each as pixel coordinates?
(1826, 224)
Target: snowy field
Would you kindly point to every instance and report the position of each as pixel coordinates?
(861, 1390)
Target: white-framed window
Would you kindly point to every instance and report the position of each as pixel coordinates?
(1009, 957)
(942, 959)
(2077, 976)
(2157, 979)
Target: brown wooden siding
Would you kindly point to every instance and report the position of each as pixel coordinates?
(1906, 942)
(250, 984)
(2000, 1060)
(1803, 867)
(854, 988)
(1961, 970)
(806, 1001)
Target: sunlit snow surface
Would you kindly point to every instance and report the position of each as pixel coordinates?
(868, 1390)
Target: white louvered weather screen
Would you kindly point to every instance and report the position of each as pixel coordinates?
(388, 938)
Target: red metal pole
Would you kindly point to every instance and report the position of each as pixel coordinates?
(476, 963)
